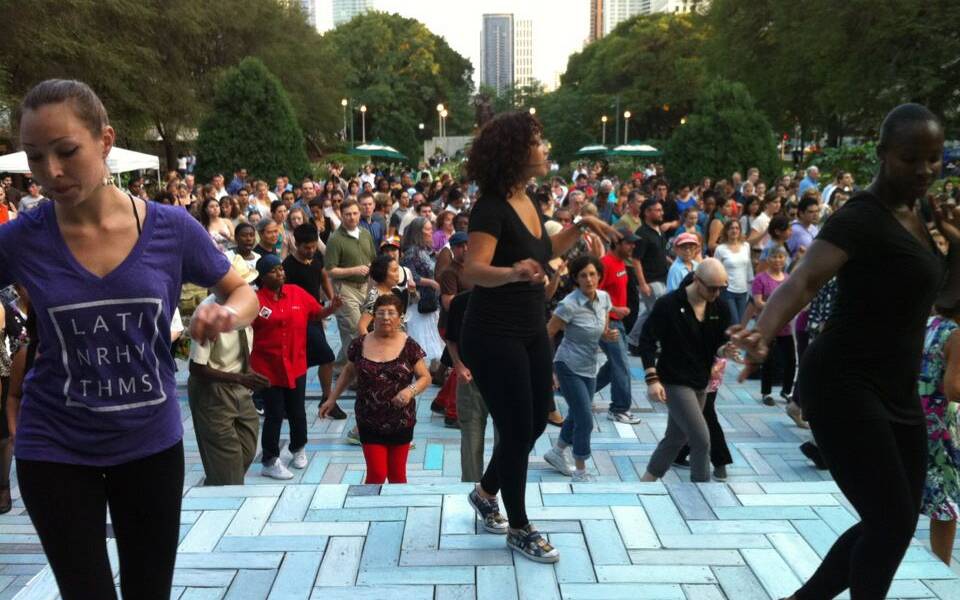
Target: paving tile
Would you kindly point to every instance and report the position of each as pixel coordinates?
(229, 560)
(654, 574)
(603, 540)
(206, 532)
(702, 592)
(621, 591)
(714, 541)
(203, 577)
(382, 548)
(272, 543)
(575, 565)
(591, 500)
(458, 516)
(315, 529)
(772, 572)
(396, 513)
(251, 584)
(455, 592)
(422, 529)
(664, 516)
(636, 531)
(767, 526)
(293, 503)
(741, 584)
(381, 501)
(375, 592)
(463, 557)
(764, 513)
(295, 578)
(788, 500)
(251, 517)
(724, 558)
(329, 496)
(417, 575)
(536, 581)
(496, 583)
(341, 562)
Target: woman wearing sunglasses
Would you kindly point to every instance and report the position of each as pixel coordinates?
(690, 326)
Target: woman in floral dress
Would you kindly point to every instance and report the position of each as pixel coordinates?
(939, 388)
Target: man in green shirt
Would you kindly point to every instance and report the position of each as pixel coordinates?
(349, 253)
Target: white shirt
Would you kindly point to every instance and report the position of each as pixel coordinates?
(354, 233)
(222, 354)
(738, 265)
(761, 223)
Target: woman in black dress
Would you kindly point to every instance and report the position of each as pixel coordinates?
(504, 340)
(866, 418)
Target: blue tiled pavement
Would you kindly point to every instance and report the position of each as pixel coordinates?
(324, 536)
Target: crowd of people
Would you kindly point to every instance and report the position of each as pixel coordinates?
(502, 287)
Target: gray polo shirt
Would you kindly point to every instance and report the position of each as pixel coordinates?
(585, 322)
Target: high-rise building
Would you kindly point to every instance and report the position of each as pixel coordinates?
(344, 10)
(610, 13)
(523, 53)
(309, 9)
(496, 52)
(596, 20)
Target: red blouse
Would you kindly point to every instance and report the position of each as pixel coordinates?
(280, 334)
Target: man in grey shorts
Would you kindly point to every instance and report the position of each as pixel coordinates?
(689, 325)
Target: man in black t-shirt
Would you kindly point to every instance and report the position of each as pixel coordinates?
(304, 267)
(651, 254)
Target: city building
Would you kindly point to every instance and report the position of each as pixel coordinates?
(596, 20)
(344, 10)
(523, 53)
(309, 9)
(496, 52)
(605, 15)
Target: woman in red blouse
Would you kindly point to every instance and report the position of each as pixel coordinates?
(280, 354)
(390, 372)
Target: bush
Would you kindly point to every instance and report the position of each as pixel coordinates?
(724, 133)
(252, 125)
(860, 160)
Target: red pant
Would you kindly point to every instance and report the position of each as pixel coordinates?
(386, 462)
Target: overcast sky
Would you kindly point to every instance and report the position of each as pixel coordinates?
(560, 27)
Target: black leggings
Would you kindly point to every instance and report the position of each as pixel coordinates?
(515, 378)
(784, 354)
(719, 452)
(68, 507)
(880, 467)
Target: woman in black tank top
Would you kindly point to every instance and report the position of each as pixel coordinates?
(504, 339)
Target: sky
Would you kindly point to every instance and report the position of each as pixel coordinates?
(560, 27)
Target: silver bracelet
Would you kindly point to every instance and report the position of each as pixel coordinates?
(413, 389)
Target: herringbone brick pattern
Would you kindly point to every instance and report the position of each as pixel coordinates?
(323, 535)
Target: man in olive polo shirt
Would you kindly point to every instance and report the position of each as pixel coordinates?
(350, 251)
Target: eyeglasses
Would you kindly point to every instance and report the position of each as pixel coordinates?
(713, 289)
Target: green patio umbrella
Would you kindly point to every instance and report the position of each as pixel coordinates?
(377, 149)
(636, 150)
(592, 150)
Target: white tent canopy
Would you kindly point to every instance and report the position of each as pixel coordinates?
(119, 160)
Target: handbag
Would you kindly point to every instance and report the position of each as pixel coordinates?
(429, 300)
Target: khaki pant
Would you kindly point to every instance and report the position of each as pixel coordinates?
(226, 424)
(472, 414)
(348, 316)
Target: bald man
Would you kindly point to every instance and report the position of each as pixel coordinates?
(689, 325)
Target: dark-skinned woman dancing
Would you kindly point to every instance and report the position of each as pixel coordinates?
(867, 418)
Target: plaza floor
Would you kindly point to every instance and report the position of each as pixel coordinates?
(324, 535)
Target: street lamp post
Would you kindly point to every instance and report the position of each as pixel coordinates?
(344, 103)
(443, 128)
(626, 125)
(603, 120)
(363, 122)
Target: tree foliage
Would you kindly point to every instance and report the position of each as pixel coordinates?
(155, 63)
(723, 134)
(252, 125)
(401, 71)
(838, 67)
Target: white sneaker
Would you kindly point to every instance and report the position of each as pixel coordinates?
(276, 471)
(582, 477)
(623, 417)
(558, 461)
(299, 459)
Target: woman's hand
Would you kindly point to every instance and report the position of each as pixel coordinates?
(946, 219)
(527, 270)
(326, 407)
(602, 229)
(611, 335)
(753, 344)
(209, 321)
(403, 397)
(657, 392)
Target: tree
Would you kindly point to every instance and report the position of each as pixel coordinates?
(252, 125)
(649, 65)
(724, 133)
(837, 66)
(401, 71)
(155, 63)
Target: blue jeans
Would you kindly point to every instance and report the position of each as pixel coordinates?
(616, 371)
(737, 303)
(578, 391)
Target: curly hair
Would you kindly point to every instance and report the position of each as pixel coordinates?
(498, 156)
